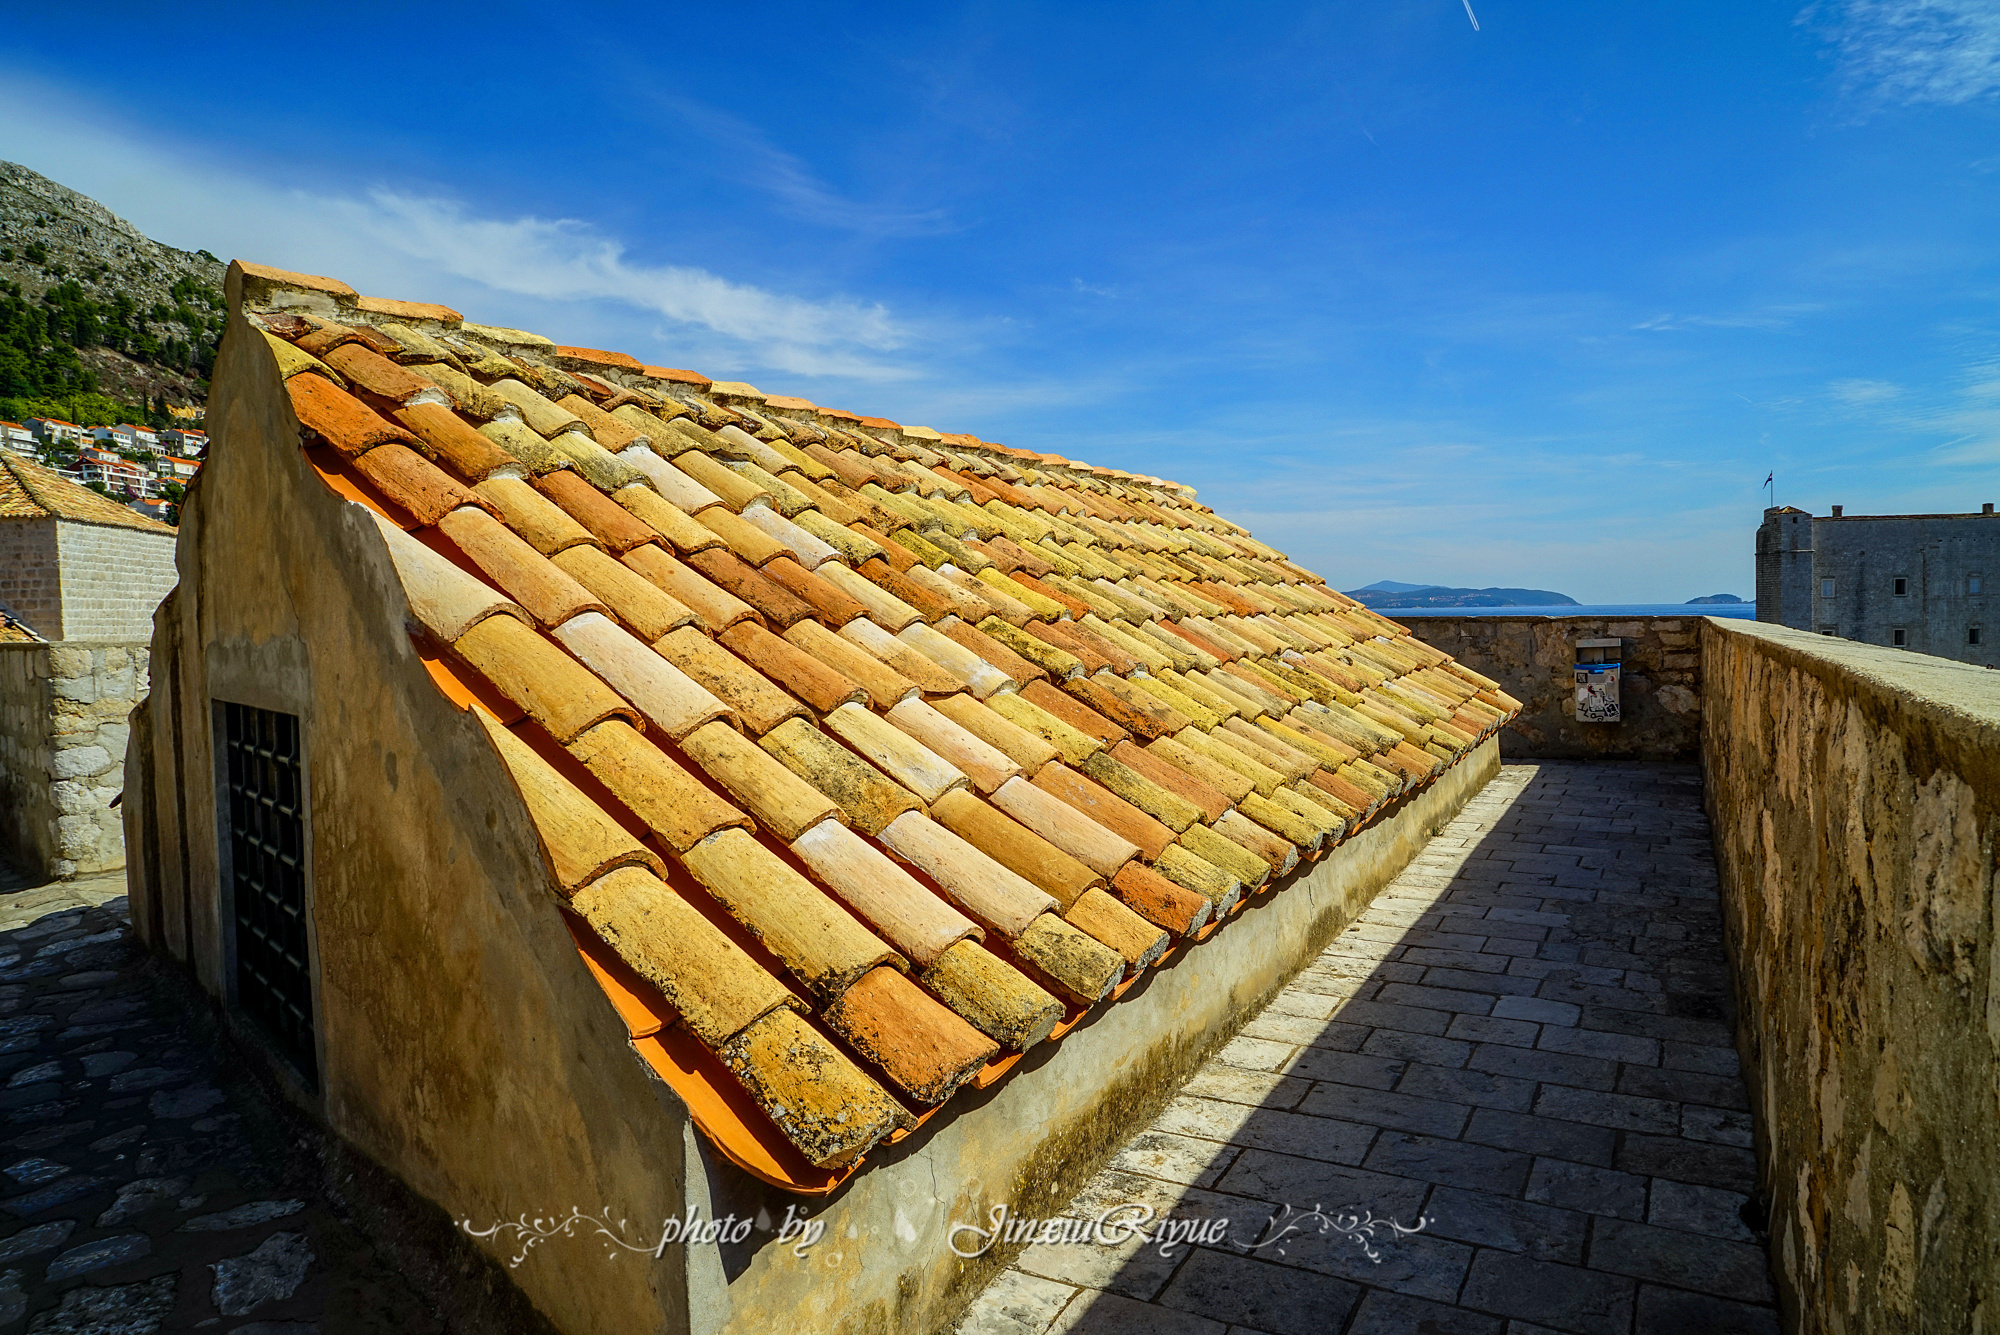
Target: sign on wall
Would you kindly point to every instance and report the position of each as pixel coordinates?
(1597, 669)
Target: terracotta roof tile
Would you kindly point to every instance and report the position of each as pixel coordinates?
(268, 278)
(780, 606)
(573, 358)
(407, 310)
(413, 482)
(340, 419)
(675, 377)
(549, 594)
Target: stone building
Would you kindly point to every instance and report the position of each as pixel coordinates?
(601, 788)
(1918, 582)
(75, 565)
(80, 576)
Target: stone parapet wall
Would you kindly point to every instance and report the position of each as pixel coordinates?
(1532, 659)
(1855, 797)
(64, 711)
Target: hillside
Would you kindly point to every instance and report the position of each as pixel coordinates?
(95, 318)
(1389, 594)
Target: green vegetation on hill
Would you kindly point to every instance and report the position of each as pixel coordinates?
(42, 375)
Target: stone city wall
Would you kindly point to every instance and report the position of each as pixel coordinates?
(1532, 658)
(63, 724)
(1855, 796)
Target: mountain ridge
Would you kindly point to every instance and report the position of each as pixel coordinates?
(90, 304)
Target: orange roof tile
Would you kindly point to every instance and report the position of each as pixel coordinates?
(598, 357)
(408, 310)
(677, 377)
(307, 281)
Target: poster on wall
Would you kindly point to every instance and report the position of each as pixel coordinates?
(1597, 693)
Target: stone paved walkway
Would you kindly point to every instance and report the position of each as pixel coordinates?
(145, 1184)
(1523, 1043)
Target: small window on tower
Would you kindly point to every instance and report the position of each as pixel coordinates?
(1972, 635)
(1826, 588)
(1902, 587)
(1899, 637)
(1972, 584)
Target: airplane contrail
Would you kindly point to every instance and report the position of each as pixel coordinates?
(1469, 14)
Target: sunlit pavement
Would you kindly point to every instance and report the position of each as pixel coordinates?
(1523, 1047)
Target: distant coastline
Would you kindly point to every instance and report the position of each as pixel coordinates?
(1388, 593)
(1736, 611)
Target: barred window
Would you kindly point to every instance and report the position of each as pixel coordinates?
(265, 877)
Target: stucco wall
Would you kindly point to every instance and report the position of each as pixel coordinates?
(1855, 797)
(463, 1043)
(63, 726)
(112, 579)
(1034, 1140)
(28, 586)
(1532, 659)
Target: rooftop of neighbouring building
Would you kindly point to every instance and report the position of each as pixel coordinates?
(30, 491)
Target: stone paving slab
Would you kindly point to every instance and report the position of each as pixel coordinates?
(145, 1184)
(1524, 1043)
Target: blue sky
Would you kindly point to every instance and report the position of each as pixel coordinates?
(1539, 303)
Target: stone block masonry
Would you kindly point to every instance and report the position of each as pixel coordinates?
(1855, 792)
(112, 579)
(64, 711)
(29, 586)
(1532, 657)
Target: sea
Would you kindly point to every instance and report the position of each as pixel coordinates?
(1746, 611)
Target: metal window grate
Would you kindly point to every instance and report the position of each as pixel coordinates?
(266, 872)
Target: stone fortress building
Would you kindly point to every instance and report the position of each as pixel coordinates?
(1907, 581)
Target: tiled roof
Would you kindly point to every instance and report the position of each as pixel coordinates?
(860, 765)
(30, 491)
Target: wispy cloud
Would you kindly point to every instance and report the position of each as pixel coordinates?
(1942, 52)
(567, 260)
(1861, 393)
(392, 240)
(1777, 317)
(1093, 289)
(748, 155)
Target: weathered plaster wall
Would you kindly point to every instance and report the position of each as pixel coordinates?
(1532, 658)
(28, 585)
(463, 1044)
(1855, 796)
(63, 725)
(112, 579)
(1032, 1141)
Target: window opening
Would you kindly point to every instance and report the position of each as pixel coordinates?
(266, 875)
(1972, 635)
(1899, 637)
(1826, 588)
(1902, 587)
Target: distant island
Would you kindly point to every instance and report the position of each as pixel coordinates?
(1715, 598)
(1389, 593)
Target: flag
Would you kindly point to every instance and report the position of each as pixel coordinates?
(1767, 479)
